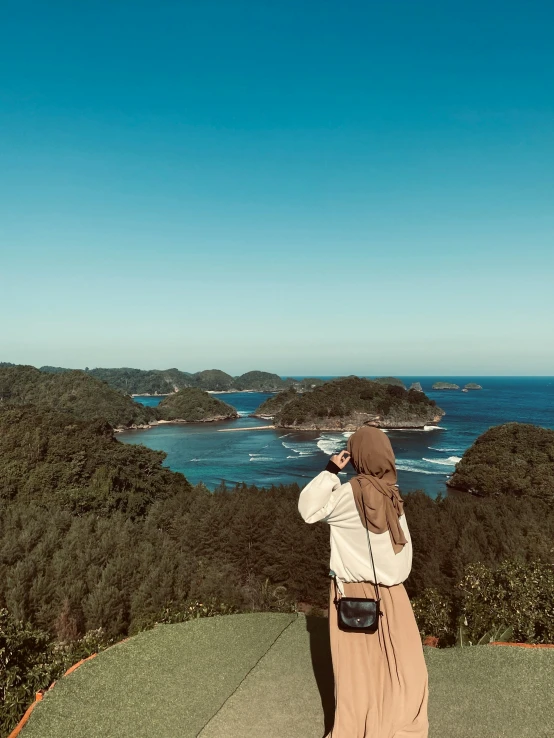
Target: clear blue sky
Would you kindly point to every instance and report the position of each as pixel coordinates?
(302, 187)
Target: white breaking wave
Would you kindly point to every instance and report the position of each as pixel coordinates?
(444, 450)
(425, 429)
(417, 470)
(331, 444)
(450, 461)
(243, 413)
(299, 447)
(417, 467)
(259, 457)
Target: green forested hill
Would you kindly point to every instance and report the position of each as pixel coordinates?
(259, 382)
(345, 404)
(52, 458)
(510, 459)
(270, 407)
(194, 405)
(144, 382)
(131, 381)
(213, 379)
(73, 391)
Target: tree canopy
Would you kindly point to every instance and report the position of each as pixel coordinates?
(193, 405)
(74, 391)
(511, 459)
(348, 403)
(270, 407)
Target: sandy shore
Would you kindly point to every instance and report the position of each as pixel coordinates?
(252, 428)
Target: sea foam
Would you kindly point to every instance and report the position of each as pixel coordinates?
(417, 467)
(450, 461)
(302, 448)
(331, 444)
(445, 450)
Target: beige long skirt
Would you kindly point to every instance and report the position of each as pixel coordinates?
(380, 678)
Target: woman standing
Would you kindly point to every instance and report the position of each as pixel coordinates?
(381, 677)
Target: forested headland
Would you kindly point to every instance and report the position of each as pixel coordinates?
(75, 392)
(87, 398)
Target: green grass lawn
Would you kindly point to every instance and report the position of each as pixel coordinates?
(269, 676)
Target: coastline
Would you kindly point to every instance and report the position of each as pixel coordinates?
(176, 421)
(210, 392)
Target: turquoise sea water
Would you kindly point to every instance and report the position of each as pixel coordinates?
(425, 459)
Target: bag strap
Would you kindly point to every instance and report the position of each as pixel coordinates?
(371, 555)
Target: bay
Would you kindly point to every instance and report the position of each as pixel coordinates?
(425, 458)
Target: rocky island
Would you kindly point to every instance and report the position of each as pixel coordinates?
(472, 386)
(193, 405)
(445, 386)
(346, 404)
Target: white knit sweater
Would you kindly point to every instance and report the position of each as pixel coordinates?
(326, 499)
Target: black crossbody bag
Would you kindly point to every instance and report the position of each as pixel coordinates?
(358, 614)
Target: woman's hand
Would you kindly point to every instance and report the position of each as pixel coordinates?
(341, 460)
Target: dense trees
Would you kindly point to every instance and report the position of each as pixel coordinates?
(270, 407)
(193, 405)
(74, 392)
(510, 459)
(260, 382)
(390, 380)
(213, 379)
(105, 526)
(143, 382)
(347, 403)
(130, 381)
(51, 458)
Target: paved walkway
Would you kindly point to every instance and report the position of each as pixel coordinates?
(269, 676)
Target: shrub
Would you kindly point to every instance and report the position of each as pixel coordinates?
(433, 612)
(30, 660)
(515, 596)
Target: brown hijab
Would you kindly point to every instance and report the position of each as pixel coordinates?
(374, 486)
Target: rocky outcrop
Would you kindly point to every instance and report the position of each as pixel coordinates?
(472, 386)
(416, 387)
(445, 386)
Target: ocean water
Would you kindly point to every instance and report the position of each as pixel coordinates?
(425, 458)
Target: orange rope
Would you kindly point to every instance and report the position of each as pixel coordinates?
(39, 695)
(522, 645)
